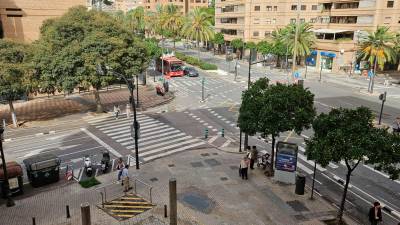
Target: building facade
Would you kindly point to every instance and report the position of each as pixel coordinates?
(184, 5)
(338, 24)
(21, 19)
(126, 5)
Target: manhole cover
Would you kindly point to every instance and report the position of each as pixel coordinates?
(212, 162)
(154, 179)
(223, 178)
(171, 165)
(297, 206)
(197, 164)
(204, 154)
(198, 202)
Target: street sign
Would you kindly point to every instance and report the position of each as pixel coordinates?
(297, 75)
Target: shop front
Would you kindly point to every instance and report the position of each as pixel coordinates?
(312, 59)
(326, 60)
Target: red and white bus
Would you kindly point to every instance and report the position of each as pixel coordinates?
(173, 67)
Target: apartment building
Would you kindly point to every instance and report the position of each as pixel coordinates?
(184, 5)
(338, 24)
(126, 5)
(21, 19)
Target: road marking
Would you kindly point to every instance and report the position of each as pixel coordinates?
(226, 144)
(109, 148)
(173, 151)
(290, 134)
(179, 140)
(304, 136)
(379, 172)
(169, 146)
(147, 130)
(141, 143)
(160, 133)
(311, 162)
(212, 139)
(304, 168)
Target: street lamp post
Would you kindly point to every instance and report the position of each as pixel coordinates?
(313, 181)
(296, 38)
(10, 202)
(137, 90)
(130, 84)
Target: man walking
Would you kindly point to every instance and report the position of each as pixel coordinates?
(120, 166)
(244, 164)
(375, 214)
(253, 156)
(125, 178)
(116, 111)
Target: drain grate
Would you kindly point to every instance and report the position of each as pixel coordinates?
(198, 201)
(196, 164)
(212, 162)
(126, 207)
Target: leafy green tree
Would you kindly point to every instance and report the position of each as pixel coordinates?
(136, 20)
(73, 47)
(198, 27)
(14, 73)
(265, 47)
(397, 49)
(210, 11)
(349, 135)
(272, 109)
(251, 45)
(377, 48)
(219, 40)
(172, 21)
(238, 46)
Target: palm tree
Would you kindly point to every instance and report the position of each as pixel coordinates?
(172, 21)
(377, 48)
(136, 20)
(397, 49)
(198, 27)
(305, 39)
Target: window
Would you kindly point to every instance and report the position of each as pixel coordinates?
(198, 1)
(256, 21)
(257, 8)
(390, 4)
(294, 7)
(313, 20)
(13, 9)
(292, 20)
(269, 8)
(303, 7)
(275, 8)
(255, 34)
(267, 33)
(387, 20)
(268, 21)
(302, 20)
(314, 7)
(14, 15)
(273, 21)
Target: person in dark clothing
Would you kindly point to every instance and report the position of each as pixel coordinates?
(375, 214)
(253, 156)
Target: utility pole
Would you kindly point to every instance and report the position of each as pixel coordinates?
(135, 123)
(296, 39)
(137, 90)
(313, 181)
(6, 189)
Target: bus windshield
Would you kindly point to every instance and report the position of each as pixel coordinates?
(176, 67)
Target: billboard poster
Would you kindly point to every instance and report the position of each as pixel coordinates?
(286, 156)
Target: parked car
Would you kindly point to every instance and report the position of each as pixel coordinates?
(191, 72)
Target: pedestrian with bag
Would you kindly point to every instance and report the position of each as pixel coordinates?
(375, 214)
(244, 164)
(253, 156)
(125, 178)
(120, 166)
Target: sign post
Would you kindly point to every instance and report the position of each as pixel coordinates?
(286, 162)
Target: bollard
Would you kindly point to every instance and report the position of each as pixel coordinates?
(85, 211)
(206, 133)
(165, 211)
(222, 132)
(33, 221)
(172, 202)
(67, 209)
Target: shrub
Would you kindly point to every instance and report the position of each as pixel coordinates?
(192, 61)
(208, 66)
(89, 182)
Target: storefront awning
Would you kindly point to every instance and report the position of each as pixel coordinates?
(330, 31)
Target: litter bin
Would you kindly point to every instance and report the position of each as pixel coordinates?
(300, 82)
(15, 182)
(42, 169)
(300, 184)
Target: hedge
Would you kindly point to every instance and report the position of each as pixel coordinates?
(195, 62)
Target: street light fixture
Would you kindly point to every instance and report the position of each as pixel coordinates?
(6, 189)
(135, 124)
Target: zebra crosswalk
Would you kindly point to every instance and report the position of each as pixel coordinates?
(156, 139)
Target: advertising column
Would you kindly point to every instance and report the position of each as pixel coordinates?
(286, 162)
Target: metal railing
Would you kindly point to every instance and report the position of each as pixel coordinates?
(150, 188)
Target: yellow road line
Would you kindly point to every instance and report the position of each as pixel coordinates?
(128, 211)
(290, 134)
(128, 206)
(127, 202)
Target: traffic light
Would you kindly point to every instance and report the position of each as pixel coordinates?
(206, 133)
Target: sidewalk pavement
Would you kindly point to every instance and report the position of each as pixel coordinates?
(209, 192)
(57, 106)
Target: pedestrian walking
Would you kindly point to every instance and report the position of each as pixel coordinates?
(244, 164)
(248, 150)
(253, 156)
(125, 178)
(120, 166)
(396, 125)
(375, 214)
(117, 111)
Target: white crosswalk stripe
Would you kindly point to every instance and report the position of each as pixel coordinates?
(157, 139)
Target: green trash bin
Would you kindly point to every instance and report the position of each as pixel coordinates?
(42, 169)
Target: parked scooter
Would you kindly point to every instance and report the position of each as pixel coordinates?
(262, 161)
(105, 162)
(88, 166)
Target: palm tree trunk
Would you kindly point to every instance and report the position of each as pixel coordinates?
(198, 49)
(373, 76)
(13, 115)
